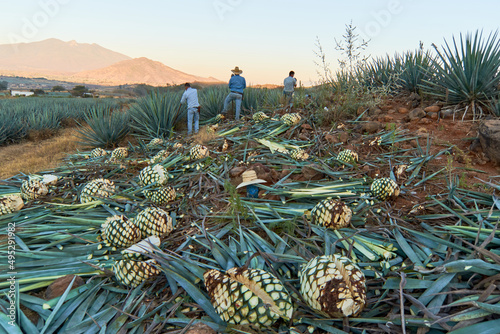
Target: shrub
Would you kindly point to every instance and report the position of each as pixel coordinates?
(105, 127)
(212, 101)
(467, 71)
(155, 115)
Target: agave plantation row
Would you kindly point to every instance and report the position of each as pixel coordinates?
(104, 122)
(18, 117)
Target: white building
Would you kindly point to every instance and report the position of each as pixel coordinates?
(21, 93)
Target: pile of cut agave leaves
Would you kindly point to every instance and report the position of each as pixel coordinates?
(427, 268)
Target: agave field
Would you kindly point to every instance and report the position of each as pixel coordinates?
(156, 236)
(20, 116)
(428, 269)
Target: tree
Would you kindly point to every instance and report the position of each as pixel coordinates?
(38, 91)
(4, 85)
(142, 89)
(79, 91)
(58, 88)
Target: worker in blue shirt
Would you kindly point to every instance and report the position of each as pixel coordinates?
(236, 85)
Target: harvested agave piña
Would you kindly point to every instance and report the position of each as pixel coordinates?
(198, 152)
(212, 128)
(291, 119)
(160, 196)
(132, 273)
(159, 157)
(347, 156)
(299, 154)
(50, 179)
(10, 204)
(244, 296)
(384, 188)
(259, 116)
(97, 189)
(33, 189)
(98, 152)
(331, 213)
(219, 118)
(119, 153)
(333, 286)
(153, 221)
(153, 175)
(155, 143)
(119, 231)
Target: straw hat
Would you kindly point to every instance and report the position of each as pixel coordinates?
(249, 177)
(237, 70)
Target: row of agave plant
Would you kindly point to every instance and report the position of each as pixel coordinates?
(462, 72)
(18, 117)
(104, 122)
(157, 114)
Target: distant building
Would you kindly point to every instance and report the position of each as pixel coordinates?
(21, 93)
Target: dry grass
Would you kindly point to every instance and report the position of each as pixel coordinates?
(34, 156)
(203, 136)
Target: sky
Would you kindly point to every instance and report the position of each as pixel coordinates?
(265, 38)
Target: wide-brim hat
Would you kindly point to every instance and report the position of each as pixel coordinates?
(249, 177)
(237, 70)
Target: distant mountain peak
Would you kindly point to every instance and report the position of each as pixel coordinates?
(140, 70)
(54, 55)
(90, 63)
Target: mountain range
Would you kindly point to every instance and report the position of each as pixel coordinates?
(87, 63)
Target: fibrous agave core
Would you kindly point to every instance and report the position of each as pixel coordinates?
(198, 152)
(331, 213)
(33, 189)
(333, 286)
(245, 296)
(10, 204)
(97, 189)
(155, 175)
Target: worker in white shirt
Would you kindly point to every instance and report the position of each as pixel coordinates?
(290, 83)
(193, 108)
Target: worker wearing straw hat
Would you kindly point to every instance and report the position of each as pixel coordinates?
(236, 85)
(250, 180)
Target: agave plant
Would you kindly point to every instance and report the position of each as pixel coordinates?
(212, 101)
(105, 128)
(11, 127)
(44, 120)
(18, 116)
(273, 97)
(467, 70)
(416, 66)
(155, 115)
(253, 98)
(381, 72)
